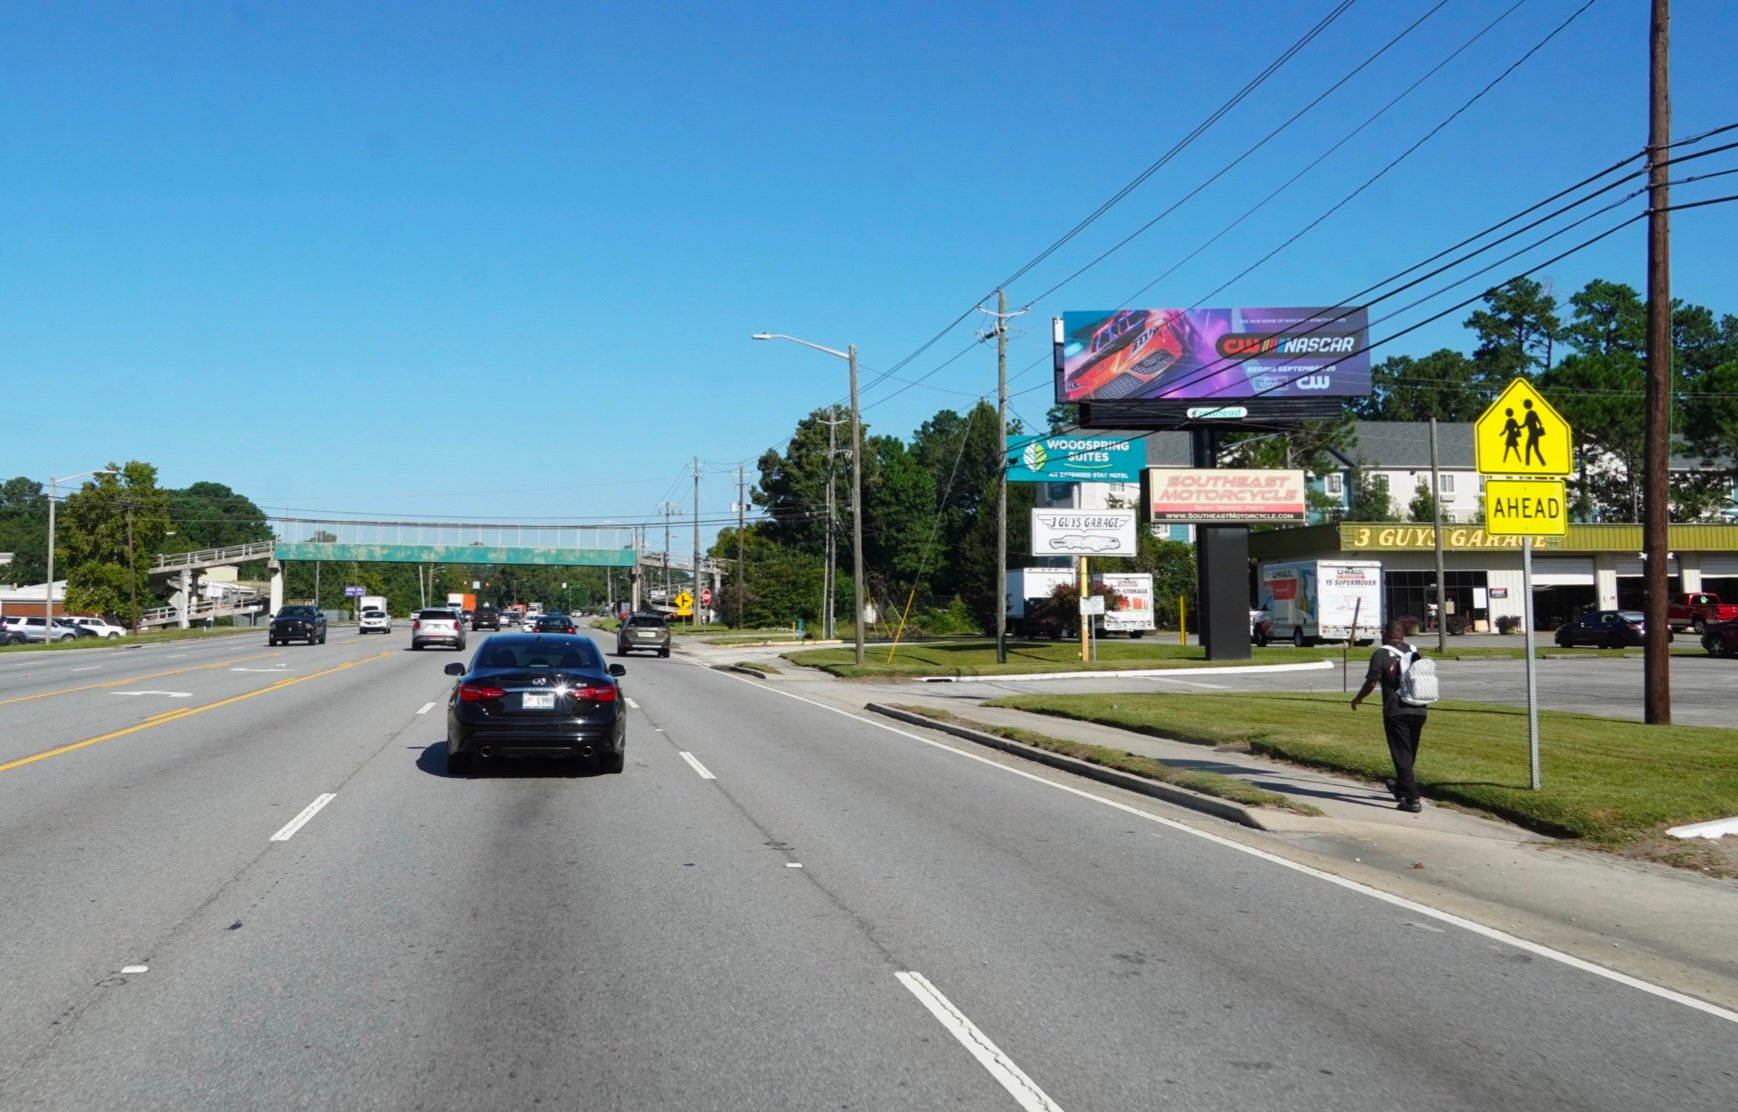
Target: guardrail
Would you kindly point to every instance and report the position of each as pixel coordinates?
(205, 608)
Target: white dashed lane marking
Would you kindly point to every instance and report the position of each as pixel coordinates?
(698, 767)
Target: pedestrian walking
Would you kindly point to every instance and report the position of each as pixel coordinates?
(1402, 722)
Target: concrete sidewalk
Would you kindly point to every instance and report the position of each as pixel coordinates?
(1672, 927)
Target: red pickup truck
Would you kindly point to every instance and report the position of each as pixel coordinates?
(1698, 610)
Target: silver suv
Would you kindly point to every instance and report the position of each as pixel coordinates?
(643, 633)
(437, 627)
(32, 629)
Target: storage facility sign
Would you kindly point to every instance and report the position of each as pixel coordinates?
(1210, 495)
(1083, 533)
(1076, 458)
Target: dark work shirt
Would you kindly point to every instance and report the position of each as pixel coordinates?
(1381, 661)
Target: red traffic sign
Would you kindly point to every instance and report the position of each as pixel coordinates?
(706, 596)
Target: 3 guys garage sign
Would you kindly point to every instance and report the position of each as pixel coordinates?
(1209, 496)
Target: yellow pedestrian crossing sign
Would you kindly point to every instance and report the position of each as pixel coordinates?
(1520, 434)
(1529, 507)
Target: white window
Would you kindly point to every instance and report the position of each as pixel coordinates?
(1446, 484)
(1334, 484)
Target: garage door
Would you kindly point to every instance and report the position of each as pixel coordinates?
(1720, 565)
(1563, 571)
(1634, 565)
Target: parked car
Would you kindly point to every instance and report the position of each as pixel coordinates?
(32, 629)
(553, 623)
(525, 695)
(99, 627)
(10, 637)
(643, 633)
(77, 630)
(374, 621)
(1606, 629)
(437, 627)
(1260, 626)
(1698, 610)
(485, 617)
(1721, 639)
(297, 623)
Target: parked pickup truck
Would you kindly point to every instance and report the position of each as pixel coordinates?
(1698, 610)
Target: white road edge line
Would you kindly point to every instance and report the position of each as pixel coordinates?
(1023, 1089)
(1450, 918)
(631, 704)
(426, 707)
(301, 820)
(697, 766)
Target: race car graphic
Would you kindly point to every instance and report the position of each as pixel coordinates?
(1127, 353)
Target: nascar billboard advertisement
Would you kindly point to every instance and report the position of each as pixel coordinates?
(1213, 354)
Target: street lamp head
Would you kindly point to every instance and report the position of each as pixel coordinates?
(761, 336)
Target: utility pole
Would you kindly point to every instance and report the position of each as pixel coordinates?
(830, 576)
(741, 558)
(1002, 315)
(666, 508)
(1436, 530)
(858, 599)
(694, 592)
(1656, 664)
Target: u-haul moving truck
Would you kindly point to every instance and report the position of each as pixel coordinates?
(1315, 600)
(1134, 612)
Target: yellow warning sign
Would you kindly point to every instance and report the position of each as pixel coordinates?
(684, 604)
(1520, 434)
(1535, 507)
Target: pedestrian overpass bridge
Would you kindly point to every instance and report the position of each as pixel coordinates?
(415, 542)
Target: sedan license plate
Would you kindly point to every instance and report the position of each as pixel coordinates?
(538, 700)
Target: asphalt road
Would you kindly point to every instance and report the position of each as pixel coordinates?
(778, 905)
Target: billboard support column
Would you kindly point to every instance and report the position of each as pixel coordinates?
(1085, 619)
(1221, 571)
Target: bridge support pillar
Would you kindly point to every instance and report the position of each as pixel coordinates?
(277, 593)
(186, 597)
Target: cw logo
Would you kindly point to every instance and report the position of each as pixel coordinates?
(1315, 382)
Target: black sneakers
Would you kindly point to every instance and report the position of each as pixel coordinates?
(1411, 805)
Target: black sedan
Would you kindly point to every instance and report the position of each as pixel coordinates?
(1606, 629)
(1721, 639)
(553, 623)
(297, 623)
(536, 695)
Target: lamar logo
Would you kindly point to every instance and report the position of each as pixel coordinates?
(1246, 346)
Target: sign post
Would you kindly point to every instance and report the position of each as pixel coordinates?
(1519, 434)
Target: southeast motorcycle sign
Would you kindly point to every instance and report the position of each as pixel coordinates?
(1075, 458)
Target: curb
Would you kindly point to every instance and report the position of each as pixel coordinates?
(744, 669)
(1182, 797)
(1124, 673)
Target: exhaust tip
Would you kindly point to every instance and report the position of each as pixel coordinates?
(486, 751)
(586, 750)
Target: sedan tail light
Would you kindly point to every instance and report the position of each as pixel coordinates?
(476, 692)
(605, 693)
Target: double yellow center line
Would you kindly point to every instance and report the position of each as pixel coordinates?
(185, 712)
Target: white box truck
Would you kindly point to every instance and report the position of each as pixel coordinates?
(1134, 609)
(1034, 583)
(371, 602)
(1316, 600)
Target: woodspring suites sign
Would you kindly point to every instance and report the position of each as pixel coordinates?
(1407, 538)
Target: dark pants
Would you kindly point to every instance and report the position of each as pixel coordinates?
(1403, 731)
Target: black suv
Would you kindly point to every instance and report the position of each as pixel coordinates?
(297, 623)
(486, 617)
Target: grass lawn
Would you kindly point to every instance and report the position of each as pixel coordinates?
(1207, 783)
(1606, 780)
(977, 657)
(155, 637)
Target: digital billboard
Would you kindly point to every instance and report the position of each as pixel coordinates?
(1213, 354)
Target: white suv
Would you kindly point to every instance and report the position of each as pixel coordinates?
(100, 626)
(373, 620)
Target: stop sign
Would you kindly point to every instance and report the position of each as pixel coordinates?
(706, 596)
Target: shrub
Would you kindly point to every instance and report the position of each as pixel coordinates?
(1508, 623)
(1411, 624)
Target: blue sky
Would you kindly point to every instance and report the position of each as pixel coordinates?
(465, 260)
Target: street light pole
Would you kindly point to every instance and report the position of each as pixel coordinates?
(53, 497)
(850, 356)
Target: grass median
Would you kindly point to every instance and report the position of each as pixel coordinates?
(1207, 783)
(1607, 781)
(977, 657)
